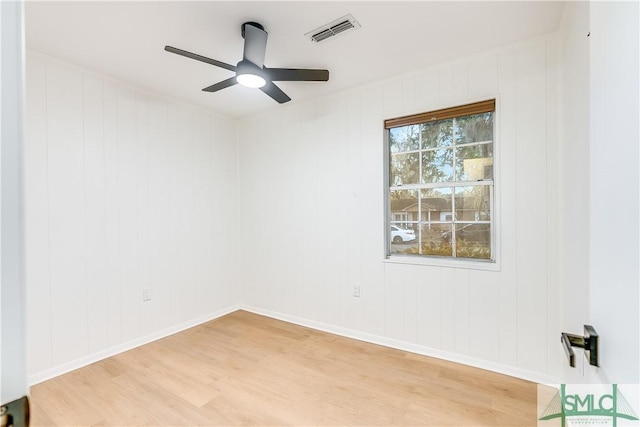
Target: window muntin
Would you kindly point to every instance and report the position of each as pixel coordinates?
(441, 187)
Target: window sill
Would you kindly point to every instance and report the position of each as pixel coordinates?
(437, 262)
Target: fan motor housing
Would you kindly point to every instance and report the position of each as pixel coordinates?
(253, 24)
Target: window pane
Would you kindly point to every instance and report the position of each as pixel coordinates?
(402, 234)
(437, 165)
(403, 239)
(473, 241)
(472, 203)
(437, 134)
(406, 138)
(433, 242)
(474, 128)
(404, 207)
(436, 204)
(441, 184)
(404, 169)
(474, 162)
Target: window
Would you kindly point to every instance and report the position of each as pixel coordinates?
(440, 190)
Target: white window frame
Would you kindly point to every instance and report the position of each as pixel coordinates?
(441, 261)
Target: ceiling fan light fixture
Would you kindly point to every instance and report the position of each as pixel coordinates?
(251, 80)
(249, 75)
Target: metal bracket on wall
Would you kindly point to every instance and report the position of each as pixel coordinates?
(589, 342)
(15, 414)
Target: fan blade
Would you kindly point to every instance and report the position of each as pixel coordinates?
(200, 58)
(255, 44)
(275, 92)
(297, 75)
(221, 85)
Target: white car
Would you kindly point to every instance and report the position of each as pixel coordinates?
(402, 235)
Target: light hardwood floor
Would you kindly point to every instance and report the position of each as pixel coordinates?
(246, 369)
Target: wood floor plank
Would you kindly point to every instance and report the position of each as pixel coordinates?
(245, 369)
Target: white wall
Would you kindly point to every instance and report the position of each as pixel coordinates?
(13, 368)
(311, 210)
(574, 180)
(614, 190)
(124, 190)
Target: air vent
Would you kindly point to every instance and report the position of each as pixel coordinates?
(333, 28)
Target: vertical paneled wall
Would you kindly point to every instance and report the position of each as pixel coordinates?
(124, 191)
(311, 209)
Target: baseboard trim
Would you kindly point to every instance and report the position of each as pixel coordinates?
(121, 348)
(405, 346)
(325, 327)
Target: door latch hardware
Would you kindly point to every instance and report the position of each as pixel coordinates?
(5, 418)
(589, 342)
(15, 414)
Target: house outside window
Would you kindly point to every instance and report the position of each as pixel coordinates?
(440, 183)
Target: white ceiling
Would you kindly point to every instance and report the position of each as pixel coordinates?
(126, 40)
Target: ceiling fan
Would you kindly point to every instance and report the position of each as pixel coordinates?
(251, 71)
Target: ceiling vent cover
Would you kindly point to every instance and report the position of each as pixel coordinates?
(333, 28)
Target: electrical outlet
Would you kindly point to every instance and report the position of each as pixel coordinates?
(146, 294)
(356, 291)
